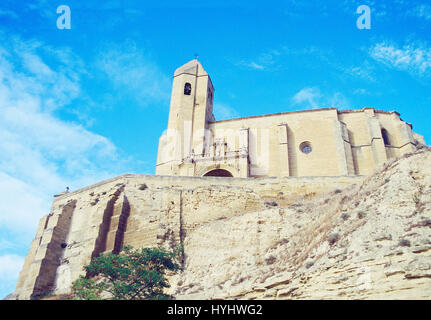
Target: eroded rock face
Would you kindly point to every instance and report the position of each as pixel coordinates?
(370, 241)
(317, 238)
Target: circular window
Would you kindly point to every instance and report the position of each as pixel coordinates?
(305, 147)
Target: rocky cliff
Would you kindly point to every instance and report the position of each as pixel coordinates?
(371, 240)
(290, 238)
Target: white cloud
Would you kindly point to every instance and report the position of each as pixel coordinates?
(10, 266)
(422, 11)
(364, 71)
(312, 97)
(28, 128)
(264, 61)
(338, 100)
(254, 65)
(361, 91)
(23, 69)
(308, 96)
(41, 154)
(223, 112)
(414, 58)
(8, 13)
(21, 204)
(132, 72)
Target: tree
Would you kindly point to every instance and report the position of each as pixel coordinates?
(133, 274)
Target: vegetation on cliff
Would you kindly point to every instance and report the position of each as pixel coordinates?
(133, 274)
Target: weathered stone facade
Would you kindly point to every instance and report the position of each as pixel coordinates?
(320, 142)
(144, 211)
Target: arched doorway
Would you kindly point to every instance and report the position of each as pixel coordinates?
(218, 173)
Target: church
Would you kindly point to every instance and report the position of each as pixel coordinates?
(336, 148)
(316, 142)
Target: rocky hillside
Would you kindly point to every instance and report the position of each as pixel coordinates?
(369, 241)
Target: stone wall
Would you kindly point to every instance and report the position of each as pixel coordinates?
(143, 211)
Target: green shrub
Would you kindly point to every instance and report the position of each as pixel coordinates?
(133, 274)
(86, 289)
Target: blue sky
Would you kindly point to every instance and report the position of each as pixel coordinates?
(89, 103)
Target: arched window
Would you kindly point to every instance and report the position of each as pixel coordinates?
(187, 89)
(385, 137)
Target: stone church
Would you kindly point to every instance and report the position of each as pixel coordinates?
(310, 152)
(318, 142)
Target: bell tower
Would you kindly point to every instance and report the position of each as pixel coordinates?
(191, 109)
